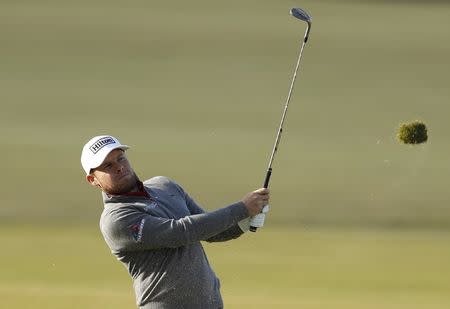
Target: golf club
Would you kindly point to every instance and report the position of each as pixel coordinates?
(258, 220)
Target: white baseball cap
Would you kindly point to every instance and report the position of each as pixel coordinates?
(95, 151)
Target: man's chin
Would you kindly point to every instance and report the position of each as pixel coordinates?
(128, 183)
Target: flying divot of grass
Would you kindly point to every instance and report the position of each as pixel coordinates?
(412, 133)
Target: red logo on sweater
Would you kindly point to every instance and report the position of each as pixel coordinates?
(137, 230)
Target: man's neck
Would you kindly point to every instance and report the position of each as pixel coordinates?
(139, 190)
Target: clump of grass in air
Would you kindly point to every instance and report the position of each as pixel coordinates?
(412, 133)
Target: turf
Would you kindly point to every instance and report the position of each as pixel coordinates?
(71, 267)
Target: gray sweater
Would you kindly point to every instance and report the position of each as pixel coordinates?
(158, 240)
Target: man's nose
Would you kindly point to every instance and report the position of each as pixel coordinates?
(119, 168)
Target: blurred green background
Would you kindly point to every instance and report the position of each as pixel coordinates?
(197, 89)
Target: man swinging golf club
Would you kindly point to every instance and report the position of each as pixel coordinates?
(154, 228)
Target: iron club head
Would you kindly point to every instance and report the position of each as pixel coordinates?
(300, 14)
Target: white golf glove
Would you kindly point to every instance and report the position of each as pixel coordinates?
(256, 221)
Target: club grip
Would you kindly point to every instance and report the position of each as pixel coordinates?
(266, 181)
(260, 217)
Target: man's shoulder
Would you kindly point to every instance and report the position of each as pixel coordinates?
(114, 212)
(164, 184)
(159, 180)
(115, 220)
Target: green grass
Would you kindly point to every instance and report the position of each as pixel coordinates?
(71, 267)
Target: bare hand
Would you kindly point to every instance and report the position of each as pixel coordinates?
(256, 200)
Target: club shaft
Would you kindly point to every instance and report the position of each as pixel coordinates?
(286, 106)
(261, 216)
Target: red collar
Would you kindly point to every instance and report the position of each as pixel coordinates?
(141, 191)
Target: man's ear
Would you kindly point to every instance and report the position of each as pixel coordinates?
(92, 180)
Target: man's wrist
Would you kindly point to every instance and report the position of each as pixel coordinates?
(244, 225)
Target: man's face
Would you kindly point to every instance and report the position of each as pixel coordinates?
(115, 175)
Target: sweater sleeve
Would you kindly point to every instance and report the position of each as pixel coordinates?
(130, 229)
(231, 233)
(193, 207)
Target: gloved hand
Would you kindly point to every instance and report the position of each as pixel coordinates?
(259, 222)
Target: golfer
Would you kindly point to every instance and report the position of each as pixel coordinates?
(154, 228)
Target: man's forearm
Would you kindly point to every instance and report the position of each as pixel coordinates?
(232, 233)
